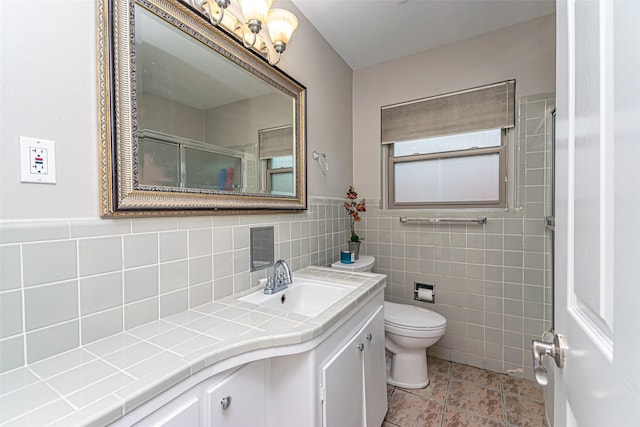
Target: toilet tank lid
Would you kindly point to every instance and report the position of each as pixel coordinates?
(412, 316)
(360, 264)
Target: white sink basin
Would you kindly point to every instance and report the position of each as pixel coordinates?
(303, 296)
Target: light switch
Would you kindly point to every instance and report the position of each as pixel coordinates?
(37, 160)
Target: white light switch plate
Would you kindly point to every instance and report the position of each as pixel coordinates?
(37, 160)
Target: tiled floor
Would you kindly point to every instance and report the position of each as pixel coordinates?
(461, 395)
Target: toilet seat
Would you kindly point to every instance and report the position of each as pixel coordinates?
(411, 318)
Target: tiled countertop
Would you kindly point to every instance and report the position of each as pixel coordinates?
(100, 382)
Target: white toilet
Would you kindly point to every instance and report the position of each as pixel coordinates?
(409, 331)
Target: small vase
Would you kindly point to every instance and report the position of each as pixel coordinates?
(355, 248)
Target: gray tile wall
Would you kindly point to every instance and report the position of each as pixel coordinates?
(68, 283)
(493, 281)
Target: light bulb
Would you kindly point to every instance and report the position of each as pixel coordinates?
(282, 24)
(255, 10)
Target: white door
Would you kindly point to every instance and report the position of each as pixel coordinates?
(597, 298)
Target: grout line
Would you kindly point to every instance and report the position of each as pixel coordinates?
(446, 396)
(504, 401)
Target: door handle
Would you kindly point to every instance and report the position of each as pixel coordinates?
(556, 350)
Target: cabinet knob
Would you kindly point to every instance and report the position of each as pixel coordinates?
(360, 347)
(225, 403)
(369, 336)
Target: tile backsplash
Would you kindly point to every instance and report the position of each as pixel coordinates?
(68, 283)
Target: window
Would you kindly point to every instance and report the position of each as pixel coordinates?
(456, 170)
(276, 158)
(280, 175)
(449, 151)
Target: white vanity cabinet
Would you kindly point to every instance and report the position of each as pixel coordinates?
(235, 400)
(335, 379)
(354, 380)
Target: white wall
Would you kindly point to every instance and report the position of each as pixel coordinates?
(163, 115)
(48, 90)
(525, 52)
(310, 60)
(238, 123)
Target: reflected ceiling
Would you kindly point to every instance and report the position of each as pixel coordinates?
(208, 82)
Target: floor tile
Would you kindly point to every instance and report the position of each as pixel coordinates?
(436, 390)
(409, 410)
(524, 412)
(390, 390)
(523, 388)
(454, 417)
(476, 375)
(483, 401)
(460, 395)
(438, 366)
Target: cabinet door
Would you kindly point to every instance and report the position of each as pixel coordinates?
(183, 411)
(342, 379)
(375, 376)
(246, 391)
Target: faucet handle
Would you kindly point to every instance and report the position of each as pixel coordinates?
(269, 283)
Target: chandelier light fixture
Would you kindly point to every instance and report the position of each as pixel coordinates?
(256, 14)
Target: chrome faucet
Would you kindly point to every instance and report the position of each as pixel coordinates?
(280, 281)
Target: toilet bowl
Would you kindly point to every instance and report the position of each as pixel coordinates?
(409, 331)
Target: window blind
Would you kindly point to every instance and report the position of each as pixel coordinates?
(276, 142)
(482, 108)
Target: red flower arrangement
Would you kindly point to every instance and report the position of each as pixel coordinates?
(354, 207)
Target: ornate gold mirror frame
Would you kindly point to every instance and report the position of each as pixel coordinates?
(121, 192)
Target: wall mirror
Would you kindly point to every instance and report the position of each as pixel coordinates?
(191, 122)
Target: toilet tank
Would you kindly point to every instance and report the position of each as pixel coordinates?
(365, 263)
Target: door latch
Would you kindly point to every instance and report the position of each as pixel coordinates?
(557, 350)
